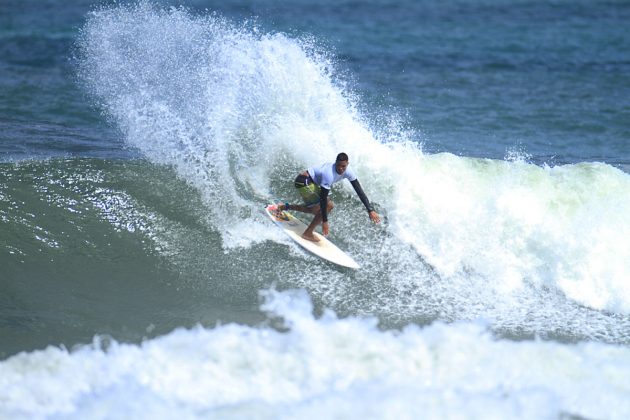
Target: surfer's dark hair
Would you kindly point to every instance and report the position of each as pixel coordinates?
(342, 157)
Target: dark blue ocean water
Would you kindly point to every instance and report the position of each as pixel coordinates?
(139, 143)
(476, 78)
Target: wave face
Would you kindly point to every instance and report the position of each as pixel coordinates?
(320, 368)
(237, 112)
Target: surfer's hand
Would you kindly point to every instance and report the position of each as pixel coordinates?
(325, 228)
(374, 217)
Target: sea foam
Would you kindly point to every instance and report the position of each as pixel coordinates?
(326, 367)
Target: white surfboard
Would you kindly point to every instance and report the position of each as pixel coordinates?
(294, 227)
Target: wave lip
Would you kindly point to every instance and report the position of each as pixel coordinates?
(226, 106)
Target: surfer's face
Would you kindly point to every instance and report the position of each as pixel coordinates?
(341, 166)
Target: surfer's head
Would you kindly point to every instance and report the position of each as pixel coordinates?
(341, 163)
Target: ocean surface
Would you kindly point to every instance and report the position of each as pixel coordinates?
(139, 143)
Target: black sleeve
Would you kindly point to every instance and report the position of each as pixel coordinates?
(361, 194)
(323, 203)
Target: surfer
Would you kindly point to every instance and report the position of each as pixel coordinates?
(315, 183)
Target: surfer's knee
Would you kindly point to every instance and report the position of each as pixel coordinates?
(331, 205)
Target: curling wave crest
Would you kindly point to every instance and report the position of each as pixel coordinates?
(237, 112)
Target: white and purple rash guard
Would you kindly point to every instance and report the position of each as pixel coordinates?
(325, 176)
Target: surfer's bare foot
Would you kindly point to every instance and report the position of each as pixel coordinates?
(278, 210)
(310, 237)
(282, 206)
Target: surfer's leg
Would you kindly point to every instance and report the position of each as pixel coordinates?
(310, 206)
(308, 233)
(295, 207)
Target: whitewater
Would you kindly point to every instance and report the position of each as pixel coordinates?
(237, 113)
(494, 289)
(320, 368)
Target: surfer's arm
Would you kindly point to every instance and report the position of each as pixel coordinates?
(323, 203)
(357, 187)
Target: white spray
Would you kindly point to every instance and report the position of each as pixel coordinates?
(237, 112)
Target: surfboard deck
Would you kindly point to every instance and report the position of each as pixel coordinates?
(294, 227)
